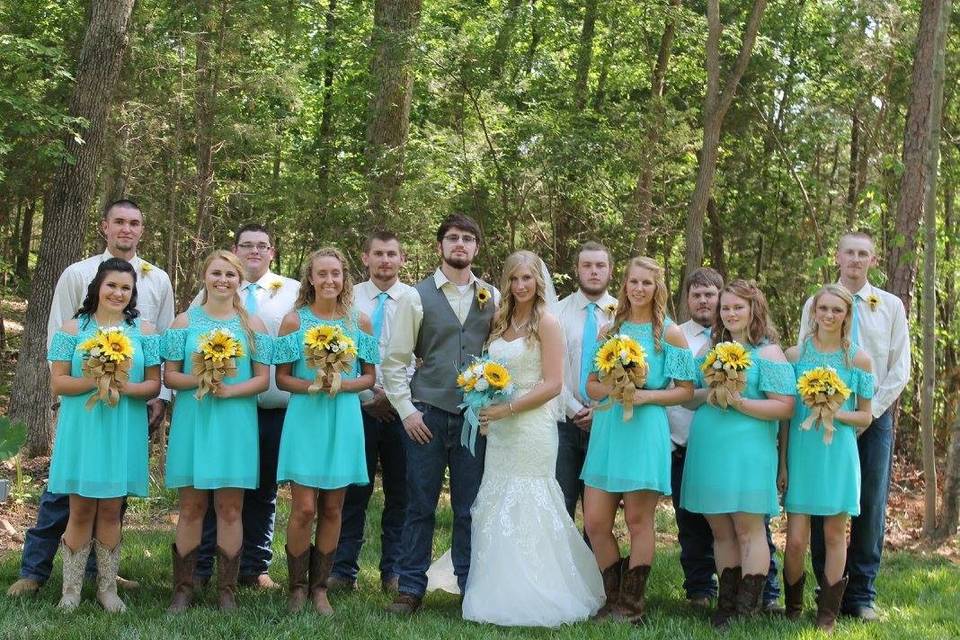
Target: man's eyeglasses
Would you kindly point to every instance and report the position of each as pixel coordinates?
(454, 238)
(250, 246)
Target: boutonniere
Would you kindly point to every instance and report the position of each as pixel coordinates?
(873, 301)
(275, 286)
(610, 309)
(145, 268)
(483, 297)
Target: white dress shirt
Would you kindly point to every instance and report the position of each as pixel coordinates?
(885, 337)
(680, 418)
(572, 312)
(406, 328)
(275, 296)
(365, 301)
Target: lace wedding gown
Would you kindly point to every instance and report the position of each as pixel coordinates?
(529, 565)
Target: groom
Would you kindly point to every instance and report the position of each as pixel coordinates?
(444, 320)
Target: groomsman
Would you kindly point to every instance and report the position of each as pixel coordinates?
(383, 432)
(443, 321)
(268, 296)
(701, 290)
(582, 315)
(880, 328)
(122, 226)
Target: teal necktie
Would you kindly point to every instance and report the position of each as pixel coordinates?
(377, 319)
(855, 321)
(588, 345)
(251, 301)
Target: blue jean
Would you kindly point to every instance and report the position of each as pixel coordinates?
(259, 507)
(571, 452)
(43, 539)
(384, 443)
(426, 464)
(867, 529)
(696, 544)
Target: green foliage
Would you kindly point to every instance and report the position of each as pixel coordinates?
(12, 437)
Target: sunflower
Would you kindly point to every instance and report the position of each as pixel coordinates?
(633, 351)
(320, 336)
(219, 345)
(89, 344)
(822, 380)
(496, 374)
(732, 354)
(115, 345)
(607, 355)
(483, 296)
(873, 301)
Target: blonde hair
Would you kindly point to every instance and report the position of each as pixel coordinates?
(846, 328)
(308, 294)
(759, 328)
(501, 320)
(238, 306)
(659, 310)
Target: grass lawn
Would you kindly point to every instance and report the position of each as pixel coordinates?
(919, 597)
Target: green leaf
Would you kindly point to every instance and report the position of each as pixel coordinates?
(12, 437)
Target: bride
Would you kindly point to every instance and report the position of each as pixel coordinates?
(529, 566)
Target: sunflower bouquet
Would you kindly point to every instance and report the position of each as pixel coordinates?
(622, 363)
(331, 353)
(215, 359)
(108, 355)
(484, 382)
(725, 372)
(823, 391)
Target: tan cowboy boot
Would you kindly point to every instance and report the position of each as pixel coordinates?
(632, 590)
(612, 577)
(108, 560)
(726, 597)
(74, 564)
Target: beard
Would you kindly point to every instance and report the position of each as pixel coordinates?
(457, 263)
(591, 290)
(703, 318)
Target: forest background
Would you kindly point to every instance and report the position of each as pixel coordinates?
(746, 135)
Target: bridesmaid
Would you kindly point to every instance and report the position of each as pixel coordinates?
(213, 441)
(821, 479)
(322, 446)
(731, 470)
(631, 460)
(100, 453)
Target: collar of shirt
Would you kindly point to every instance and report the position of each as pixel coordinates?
(602, 301)
(440, 279)
(135, 261)
(394, 292)
(865, 291)
(698, 328)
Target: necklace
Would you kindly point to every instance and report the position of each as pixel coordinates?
(519, 327)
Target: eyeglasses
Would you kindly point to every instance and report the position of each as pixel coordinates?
(250, 246)
(454, 238)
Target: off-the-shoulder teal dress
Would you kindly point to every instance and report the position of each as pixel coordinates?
(635, 455)
(732, 458)
(824, 479)
(322, 442)
(101, 452)
(214, 442)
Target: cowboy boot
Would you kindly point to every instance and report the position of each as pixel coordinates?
(612, 576)
(750, 594)
(74, 563)
(297, 568)
(183, 568)
(320, 566)
(726, 597)
(227, 571)
(793, 596)
(632, 589)
(108, 561)
(828, 604)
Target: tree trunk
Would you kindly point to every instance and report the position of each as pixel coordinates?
(395, 24)
(853, 180)
(26, 236)
(951, 487)
(504, 41)
(65, 208)
(715, 109)
(325, 131)
(902, 254)
(585, 54)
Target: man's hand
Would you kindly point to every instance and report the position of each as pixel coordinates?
(584, 419)
(156, 410)
(414, 426)
(379, 407)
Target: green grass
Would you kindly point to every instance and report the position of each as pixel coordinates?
(919, 598)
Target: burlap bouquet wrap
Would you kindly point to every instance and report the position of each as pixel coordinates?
(823, 392)
(725, 372)
(622, 363)
(330, 353)
(215, 360)
(107, 359)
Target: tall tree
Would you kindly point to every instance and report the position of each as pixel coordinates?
(65, 209)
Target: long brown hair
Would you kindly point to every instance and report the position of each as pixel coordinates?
(308, 294)
(238, 306)
(846, 328)
(760, 328)
(659, 304)
(501, 320)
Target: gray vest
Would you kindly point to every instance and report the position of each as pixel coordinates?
(445, 347)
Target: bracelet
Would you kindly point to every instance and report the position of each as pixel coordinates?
(510, 406)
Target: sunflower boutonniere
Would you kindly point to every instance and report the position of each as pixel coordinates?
(874, 301)
(610, 309)
(483, 297)
(145, 268)
(275, 286)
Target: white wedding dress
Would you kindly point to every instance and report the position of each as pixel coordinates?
(529, 565)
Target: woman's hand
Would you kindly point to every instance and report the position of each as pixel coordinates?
(223, 391)
(494, 413)
(782, 478)
(641, 397)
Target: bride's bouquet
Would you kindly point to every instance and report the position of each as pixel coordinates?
(331, 353)
(107, 356)
(215, 359)
(484, 382)
(622, 362)
(823, 391)
(725, 372)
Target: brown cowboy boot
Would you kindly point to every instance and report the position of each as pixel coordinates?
(612, 577)
(183, 567)
(726, 597)
(227, 571)
(828, 604)
(632, 589)
(320, 566)
(793, 597)
(750, 594)
(297, 569)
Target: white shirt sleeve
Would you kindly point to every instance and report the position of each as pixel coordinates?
(898, 362)
(67, 297)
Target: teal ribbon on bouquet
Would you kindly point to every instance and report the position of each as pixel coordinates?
(471, 428)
